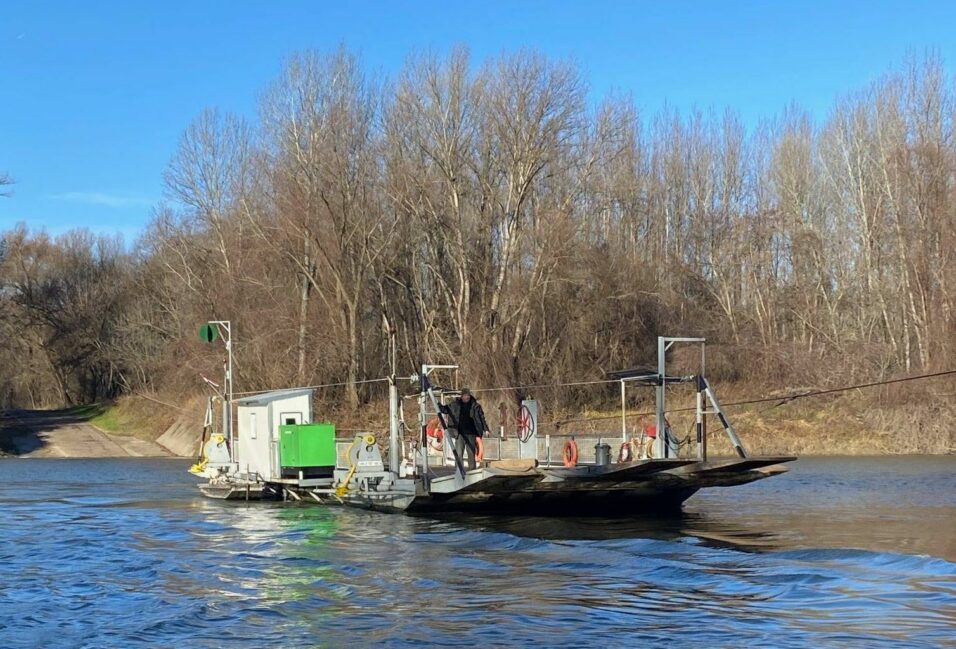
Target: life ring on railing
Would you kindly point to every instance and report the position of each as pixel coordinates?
(479, 450)
(625, 454)
(434, 434)
(570, 454)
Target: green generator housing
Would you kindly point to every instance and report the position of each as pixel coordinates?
(307, 450)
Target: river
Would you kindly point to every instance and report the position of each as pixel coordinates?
(849, 552)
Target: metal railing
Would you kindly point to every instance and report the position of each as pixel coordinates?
(550, 448)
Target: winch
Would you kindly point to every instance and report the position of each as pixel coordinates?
(358, 464)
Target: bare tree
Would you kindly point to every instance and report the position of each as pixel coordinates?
(488, 214)
(321, 117)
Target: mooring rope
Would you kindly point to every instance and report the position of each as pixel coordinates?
(140, 395)
(545, 385)
(309, 387)
(780, 399)
(816, 393)
(475, 390)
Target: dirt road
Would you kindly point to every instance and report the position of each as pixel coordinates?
(59, 433)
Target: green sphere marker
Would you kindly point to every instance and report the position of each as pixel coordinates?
(208, 333)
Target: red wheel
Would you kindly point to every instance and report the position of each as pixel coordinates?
(525, 424)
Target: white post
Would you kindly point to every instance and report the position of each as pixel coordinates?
(422, 422)
(224, 328)
(393, 427)
(660, 443)
(623, 413)
(232, 435)
(699, 427)
(226, 432)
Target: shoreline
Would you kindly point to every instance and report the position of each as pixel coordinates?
(837, 428)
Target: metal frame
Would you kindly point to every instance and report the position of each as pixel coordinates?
(704, 395)
(225, 331)
(624, 381)
(427, 393)
(664, 343)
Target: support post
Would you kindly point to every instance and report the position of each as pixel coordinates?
(393, 427)
(225, 327)
(702, 454)
(426, 391)
(731, 433)
(226, 407)
(701, 442)
(446, 438)
(232, 432)
(623, 413)
(422, 424)
(660, 443)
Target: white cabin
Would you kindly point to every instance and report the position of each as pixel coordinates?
(258, 420)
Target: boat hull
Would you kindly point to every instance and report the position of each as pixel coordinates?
(627, 489)
(565, 502)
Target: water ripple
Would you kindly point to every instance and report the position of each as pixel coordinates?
(125, 554)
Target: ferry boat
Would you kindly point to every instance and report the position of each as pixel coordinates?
(278, 451)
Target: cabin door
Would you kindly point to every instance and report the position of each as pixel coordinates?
(285, 419)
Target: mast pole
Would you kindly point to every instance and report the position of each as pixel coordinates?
(394, 430)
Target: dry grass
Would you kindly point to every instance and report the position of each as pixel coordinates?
(135, 416)
(906, 420)
(846, 425)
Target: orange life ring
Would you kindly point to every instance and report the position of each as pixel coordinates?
(434, 433)
(479, 450)
(570, 454)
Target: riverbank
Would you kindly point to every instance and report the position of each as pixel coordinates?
(905, 421)
(68, 433)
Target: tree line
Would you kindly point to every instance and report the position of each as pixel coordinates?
(497, 215)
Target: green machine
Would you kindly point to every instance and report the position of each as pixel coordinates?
(307, 450)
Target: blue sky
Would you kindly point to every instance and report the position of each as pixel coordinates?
(94, 95)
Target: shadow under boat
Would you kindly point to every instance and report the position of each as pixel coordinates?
(665, 526)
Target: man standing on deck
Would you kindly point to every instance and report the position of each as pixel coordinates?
(468, 421)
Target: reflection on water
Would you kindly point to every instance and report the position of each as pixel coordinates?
(121, 553)
(903, 504)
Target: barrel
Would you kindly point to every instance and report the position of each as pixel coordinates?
(602, 454)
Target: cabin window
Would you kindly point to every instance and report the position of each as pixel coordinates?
(289, 418)
(252, 425)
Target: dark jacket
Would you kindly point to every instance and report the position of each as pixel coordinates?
(452, 414)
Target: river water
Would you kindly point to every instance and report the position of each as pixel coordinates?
(857, 552)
